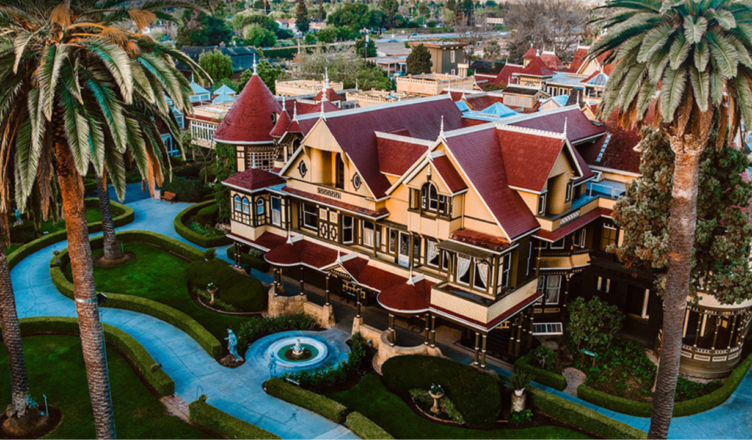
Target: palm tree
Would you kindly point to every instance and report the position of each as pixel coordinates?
(112, 251)
(690, 62)
(76, 78)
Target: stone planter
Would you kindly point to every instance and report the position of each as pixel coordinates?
(212, 292)
(518, 400)
(436, 397)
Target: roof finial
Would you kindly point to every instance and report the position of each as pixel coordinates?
(254, 66)
(565, 127)
(323, 115)
(441, 130)
(284, 107)
(295, 113)
(356, 84)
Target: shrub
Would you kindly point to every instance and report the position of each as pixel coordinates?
(256, 328)
(309, 400)
(239, 290)
(521, 417)
(187, 190)
(224, 424)
(23, 233)
(207, 216)
(209, 254)
(191, 171)
(423, 399)
(548, 378)
(323, 378)
(364, 428)
(476, 395)
(519, 380)
(544, 358)
(254, 261)
(593, 323)
(181, 227)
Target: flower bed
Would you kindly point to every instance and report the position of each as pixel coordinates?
(204, 237)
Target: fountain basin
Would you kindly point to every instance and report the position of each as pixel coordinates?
(314, 352)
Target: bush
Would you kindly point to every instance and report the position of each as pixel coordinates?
(309, 400)
(476, 395)
(23, 233)
(257, 328)
(126, 344)
(548, 378)
(423, 399)
(323, 378)
(593, 323)
(209, 254)
(224, 424)
(521, 417)
(577, 415)
(207, 216)
(364, 428)
(187, 190)
(239, 290)
(253, 261)
(191, 171)
(181, 227)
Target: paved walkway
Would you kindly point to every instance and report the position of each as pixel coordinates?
(236, 391)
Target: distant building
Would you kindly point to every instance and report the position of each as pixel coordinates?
(432, 84)
(445, 55)
(242, 57)
(367, 98)
(301, 87)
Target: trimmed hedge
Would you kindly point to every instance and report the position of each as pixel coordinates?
(187, 190)
(139, 357)
(577, 415)
(364, 428)
(143, 305)
(224, 424)
(257, 263)
(309, 400)
(194, 237)
(476, 395)
(235, 288)
(681, 409)
(122, 216)
(548, 378)
(208, 215)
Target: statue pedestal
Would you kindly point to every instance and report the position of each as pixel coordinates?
(518, 402)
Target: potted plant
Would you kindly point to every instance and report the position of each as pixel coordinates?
(437, 392)
(212, 289)
(517, 383)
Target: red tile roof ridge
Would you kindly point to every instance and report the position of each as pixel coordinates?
(406, 139)
(470, 129)
(371, 108)
(532, 131)
(526, 116)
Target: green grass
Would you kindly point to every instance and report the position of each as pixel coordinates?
(55, 367)
(159, 276)
(373, 400)
(92, 215)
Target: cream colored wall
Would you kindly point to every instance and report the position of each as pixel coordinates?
(561, 174)
(531, 200)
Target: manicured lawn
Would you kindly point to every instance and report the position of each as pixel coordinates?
(160, 276)
(55, 367)
(386, 409)
(92, 215)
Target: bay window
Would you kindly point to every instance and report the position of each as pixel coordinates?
(463, 270)
(276, 211)
(504, 269)
(432, 253)
(368, 234)
(310, 217)
(480, 280)
(348, 231)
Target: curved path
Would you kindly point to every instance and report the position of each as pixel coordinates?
(235, 391)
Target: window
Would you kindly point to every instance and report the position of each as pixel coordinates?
(453, 56)
(480, 280)
(432, 253)
(416, 251)
(558, 244)
(357, 181)
(260, 206)
(603, 285)
(553, 289)
(340, 178)
(368, 234)
(246, 206)
(446, 258)
(302, 169)
(347, 229)
(429, 197)
(504, 269)
(569, 192)
(582, 238)
(548, 328)
(529, 257)
(541, 204)
(608, 236)
(463, 270)
(444, 205)
(238, 204)
(310, 217)
(393, 234)
(276, 211)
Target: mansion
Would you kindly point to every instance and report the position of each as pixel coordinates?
(443, 215)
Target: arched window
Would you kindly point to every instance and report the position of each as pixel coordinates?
(429, 197)
(246, 206)
(238, 204)
(260, 206)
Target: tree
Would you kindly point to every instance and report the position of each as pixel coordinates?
(492, 50)
(302, 22)
(327, 35)
(465, 8)
(309, 39)
(70, 98)
(226, 163)
(202, 30)
(697, 55)
(258, 36)
(269, 74)
(370, 76)
(356, 16)
(369, 52)
(592, 324)
(216, 64)
(419, 61)
(320, 13)
(448, 17)
(390, 8)
(112, 251)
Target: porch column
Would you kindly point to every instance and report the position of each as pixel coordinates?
(512, 329)
(433, 331)
(392, 335)
(275, 272)
(715, 335)
(699, 327)
(483, 351)
(302, 283)
(519, 336)
(357, 299)
(428, 317)
(732, 328)
(477, 348)
(567, 278)
(530, 333)
(327, 290)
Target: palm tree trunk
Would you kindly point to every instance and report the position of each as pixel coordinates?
(21, 399)
(92, 335)
(112, 250)
(681, 223)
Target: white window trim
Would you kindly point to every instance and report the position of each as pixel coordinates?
(582, 239)
(276, 213)
(529, 258)
(542, 204)
(558, 241)
(351, 228)
(315, 213)
(368, 234)
(549, 328)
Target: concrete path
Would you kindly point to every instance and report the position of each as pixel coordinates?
(235, 391)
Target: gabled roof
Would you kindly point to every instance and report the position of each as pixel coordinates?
(198, 89)
(530, 53)
(479, 156)
(552, 61)
(597, 78)
(579, 127)
(615, 150)
(506, 73)
(579, 57)
(517, 147)
(449, 174)
(249, 121)
(223, 89)
(223, 98)
(537, 67)
(253, 179)
(281, 127)
(331, 95)
(397, 155)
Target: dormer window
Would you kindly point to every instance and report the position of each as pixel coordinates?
(429, 197)
(542, 204)
(340, 170)
(569, 192)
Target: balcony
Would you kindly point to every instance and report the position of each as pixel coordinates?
(605, 188)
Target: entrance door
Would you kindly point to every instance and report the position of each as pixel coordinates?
(404, 250)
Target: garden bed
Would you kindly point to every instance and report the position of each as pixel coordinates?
(188, 227)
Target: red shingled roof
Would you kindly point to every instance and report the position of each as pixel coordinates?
(396, 157)
(479, 155)
(301, 251)
(579, 127)
(250, 118)
(407, 298)
(480, 239)
(354, 131)
(579, 57)
(482, 102)
(369, 276)
(253, 178)
(552, 61)
(331, 95)
(537, 67)
(333, 202)
(449, 174)
(280, 127)
(517, 149)
(619, 153)
(530, 53)
(573, 225)
(506, 73)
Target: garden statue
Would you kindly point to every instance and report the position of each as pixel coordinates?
(17, 213)
(272, 365)
(232, 344)
(436, 392)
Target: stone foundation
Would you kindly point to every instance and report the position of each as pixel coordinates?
(384, 350)
(292, 305)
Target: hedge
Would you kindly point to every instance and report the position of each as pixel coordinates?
(548, 378)
(123, 215)
(257, 263)
(187, 190)
(364, 428)
(224, 424)
(681, 409)
(194, 237)
(143, 305)
(235, 288)
(476, 395)
(577, 415)
(309, 400)
(139, 357)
